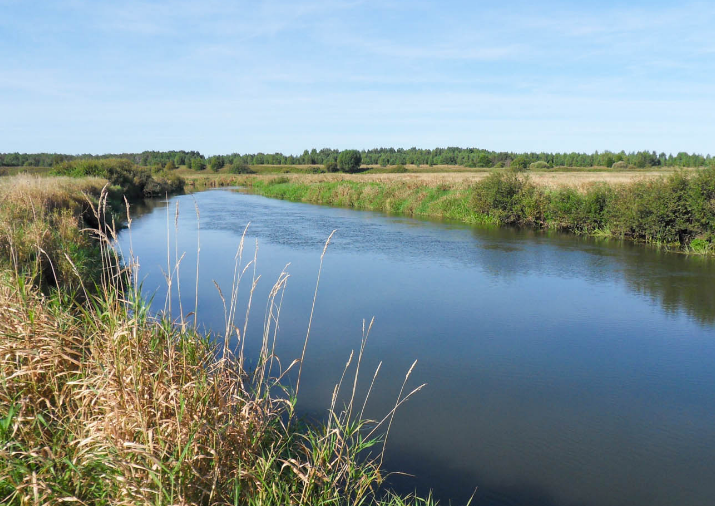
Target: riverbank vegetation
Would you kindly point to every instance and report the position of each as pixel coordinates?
(133, 180)
(102, 402)
(677, 210)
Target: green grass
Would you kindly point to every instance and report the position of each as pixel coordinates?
(439, 201)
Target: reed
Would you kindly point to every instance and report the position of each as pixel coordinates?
(102, 402)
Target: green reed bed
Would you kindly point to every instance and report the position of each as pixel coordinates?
(440, 200)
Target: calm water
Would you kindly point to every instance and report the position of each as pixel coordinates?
(561, 371)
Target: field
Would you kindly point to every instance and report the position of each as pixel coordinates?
(452, 175)
(431, 176)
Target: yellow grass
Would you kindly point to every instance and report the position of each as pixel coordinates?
(452, 180)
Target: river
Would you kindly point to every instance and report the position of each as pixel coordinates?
(560, 370)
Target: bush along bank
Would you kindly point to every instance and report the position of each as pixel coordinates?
(102, 403)
(676, 211)
(132, 180)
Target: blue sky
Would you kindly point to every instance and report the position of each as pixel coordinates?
(233, 76)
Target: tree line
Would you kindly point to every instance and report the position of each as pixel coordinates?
(466, 157)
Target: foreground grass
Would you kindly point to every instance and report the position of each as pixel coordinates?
(676, 211)
(103, 403)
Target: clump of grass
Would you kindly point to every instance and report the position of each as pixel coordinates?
(277, 180)
(103, 403)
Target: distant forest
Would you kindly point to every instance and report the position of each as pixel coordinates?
(466, 157)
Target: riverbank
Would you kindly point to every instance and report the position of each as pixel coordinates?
(103, 403)
(676, 211)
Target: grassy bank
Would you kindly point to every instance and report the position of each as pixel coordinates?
(103, 403)
(677, 210)
(441, 200)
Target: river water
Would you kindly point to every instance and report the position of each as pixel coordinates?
(560, 370)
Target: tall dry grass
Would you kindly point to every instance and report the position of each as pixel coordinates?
(40, 227)
(102, 402)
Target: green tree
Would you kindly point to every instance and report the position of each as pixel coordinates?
(539, 165)
(520, 163)
(197, 164)
(484, 160)
(215, 163)
(349, 160)
(170, 165)
(240, 168)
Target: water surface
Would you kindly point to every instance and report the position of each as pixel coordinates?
(561, 370)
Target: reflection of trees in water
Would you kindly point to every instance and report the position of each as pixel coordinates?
(143, 207)
(691, 291)
(676, 282)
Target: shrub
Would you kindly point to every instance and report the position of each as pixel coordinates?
(701, 200)
(484, 160)
(654, 211)
(398, 169)
(133, 180)
(509, 198)
(539, 165)
(349, 160)
(163, 185)
(520, 163)
(566, 209)
(215, 163)
(596, 201)
(579, 212)
(198, 164)
(331, 166)
(118, 171)
(620, 165)
(240, 168)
